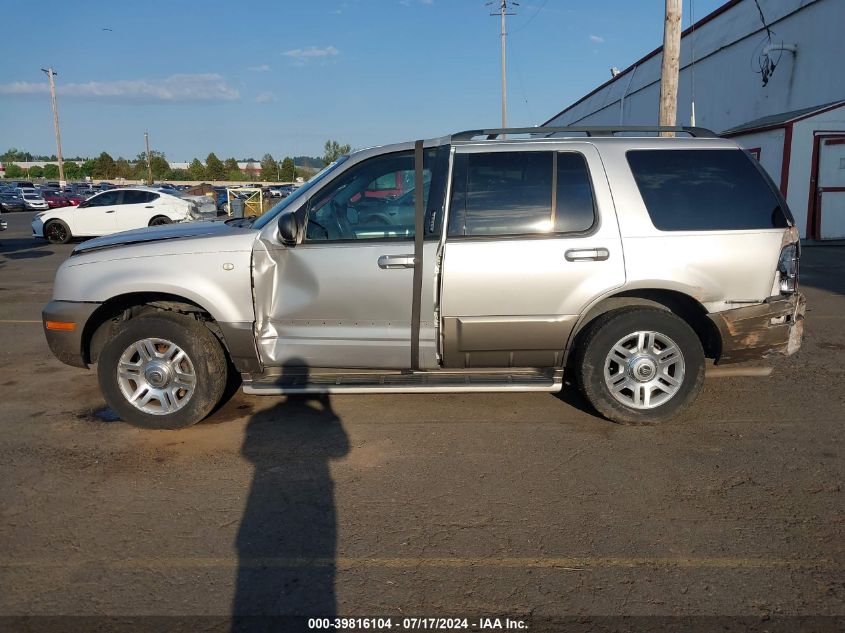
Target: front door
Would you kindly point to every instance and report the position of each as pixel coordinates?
(96, 216)
(830, 188)
(532, 238)
(343, 297)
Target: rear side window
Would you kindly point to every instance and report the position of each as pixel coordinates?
(705, 190)
(520, 193)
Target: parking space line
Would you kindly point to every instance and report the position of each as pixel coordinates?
(562, 563)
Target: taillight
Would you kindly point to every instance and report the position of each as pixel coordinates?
(788, 268)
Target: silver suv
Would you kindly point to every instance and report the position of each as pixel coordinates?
(489, 260)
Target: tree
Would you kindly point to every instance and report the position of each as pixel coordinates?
(51, 171)
(122, 168)
(14, 154)
(178, 174)
(72, 171)
(158, 165)
(35, 171)
(214, 169)
(14, 171)
(250, 169)
(104, 166)
(196, 171)
(333, 151)
(288, 170)
(87, 168)
(233, 172)
(269, 168)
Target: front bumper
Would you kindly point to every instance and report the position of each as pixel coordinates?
(775, 327)
(66, 345)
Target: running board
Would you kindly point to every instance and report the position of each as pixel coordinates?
(405, 382)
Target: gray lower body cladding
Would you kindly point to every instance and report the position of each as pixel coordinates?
(66, 344)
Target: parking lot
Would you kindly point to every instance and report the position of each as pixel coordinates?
(521, 504)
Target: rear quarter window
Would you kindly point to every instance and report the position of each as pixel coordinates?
(705, 190)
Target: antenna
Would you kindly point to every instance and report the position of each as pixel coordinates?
(504, 7)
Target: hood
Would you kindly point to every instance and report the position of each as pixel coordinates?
(178, 231)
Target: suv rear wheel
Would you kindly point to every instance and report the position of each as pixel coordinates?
(640, 365)
(163, 371)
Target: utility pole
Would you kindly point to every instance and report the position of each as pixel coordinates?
(149, 162)
(671, 65)
(51, 74)
(503, 11)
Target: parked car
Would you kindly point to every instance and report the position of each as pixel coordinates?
(33, 200)
(112, 211)
(55, 198)
(623, 261)
(11, 202)
(3, 224)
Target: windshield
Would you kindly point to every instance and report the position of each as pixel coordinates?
(297, 194)
(30, 196)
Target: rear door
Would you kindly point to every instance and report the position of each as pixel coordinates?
(532, 238)
(97, 215)
(136, 210)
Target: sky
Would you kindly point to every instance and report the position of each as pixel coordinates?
(243, 79)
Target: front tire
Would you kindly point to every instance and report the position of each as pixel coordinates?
(57, 232)
(163, 371)
(640, 365)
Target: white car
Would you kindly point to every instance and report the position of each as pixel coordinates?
(113, 211)
(32, 200)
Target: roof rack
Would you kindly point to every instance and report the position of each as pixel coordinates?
(606, 130)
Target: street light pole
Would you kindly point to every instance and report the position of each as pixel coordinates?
(51, 74)
(149, 162)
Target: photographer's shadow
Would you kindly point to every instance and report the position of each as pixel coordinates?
(288, 535)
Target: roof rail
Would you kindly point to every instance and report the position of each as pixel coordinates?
(604, 130)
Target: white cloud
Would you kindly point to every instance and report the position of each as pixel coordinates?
(176, 88)
(427, 1)
(596, 39)
(261, 68)
(265, 97)
(311, 52)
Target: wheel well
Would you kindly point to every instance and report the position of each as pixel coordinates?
(156, 217)
(680, 304)
(102, 324)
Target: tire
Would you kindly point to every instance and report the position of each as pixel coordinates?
(628, 372)
(159, 220)
(165, 400)
(57, 232)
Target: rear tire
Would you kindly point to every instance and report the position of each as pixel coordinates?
(57, 232)
(163, 371)
(640, 365)
(159, 220)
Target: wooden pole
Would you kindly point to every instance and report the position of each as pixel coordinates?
(149, 159)
(51, 74)
(671, 66)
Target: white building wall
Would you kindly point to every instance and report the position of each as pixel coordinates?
(728, 91)
(771, 149)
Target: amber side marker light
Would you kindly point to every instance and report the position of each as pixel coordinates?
(60, 325)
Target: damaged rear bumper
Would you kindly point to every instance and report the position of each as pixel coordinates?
(775, 327)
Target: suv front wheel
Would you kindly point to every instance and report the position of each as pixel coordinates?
(640, 365)
(163, 371)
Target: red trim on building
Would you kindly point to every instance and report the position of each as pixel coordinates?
(755, 152)
(785, 160)
(814, 202)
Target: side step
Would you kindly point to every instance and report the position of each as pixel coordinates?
(440, 381)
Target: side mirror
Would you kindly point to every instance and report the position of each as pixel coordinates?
(288, 228)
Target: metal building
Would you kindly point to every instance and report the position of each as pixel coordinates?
(771, 78)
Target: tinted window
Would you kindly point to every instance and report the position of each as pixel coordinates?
(104, 199)
(355, 206)
(574, 206)
(704, 190)
(131, 196)
(510, 193)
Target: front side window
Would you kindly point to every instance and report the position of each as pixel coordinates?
(705, 190)
(373, 200)
(104, 199)
(520, 193)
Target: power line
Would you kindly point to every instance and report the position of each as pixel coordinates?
(531, 19)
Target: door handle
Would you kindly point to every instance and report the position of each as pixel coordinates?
(396, 261)
(149, 206)
(112, 211)
(587, 254)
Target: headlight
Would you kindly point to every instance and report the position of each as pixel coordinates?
(788, 268)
